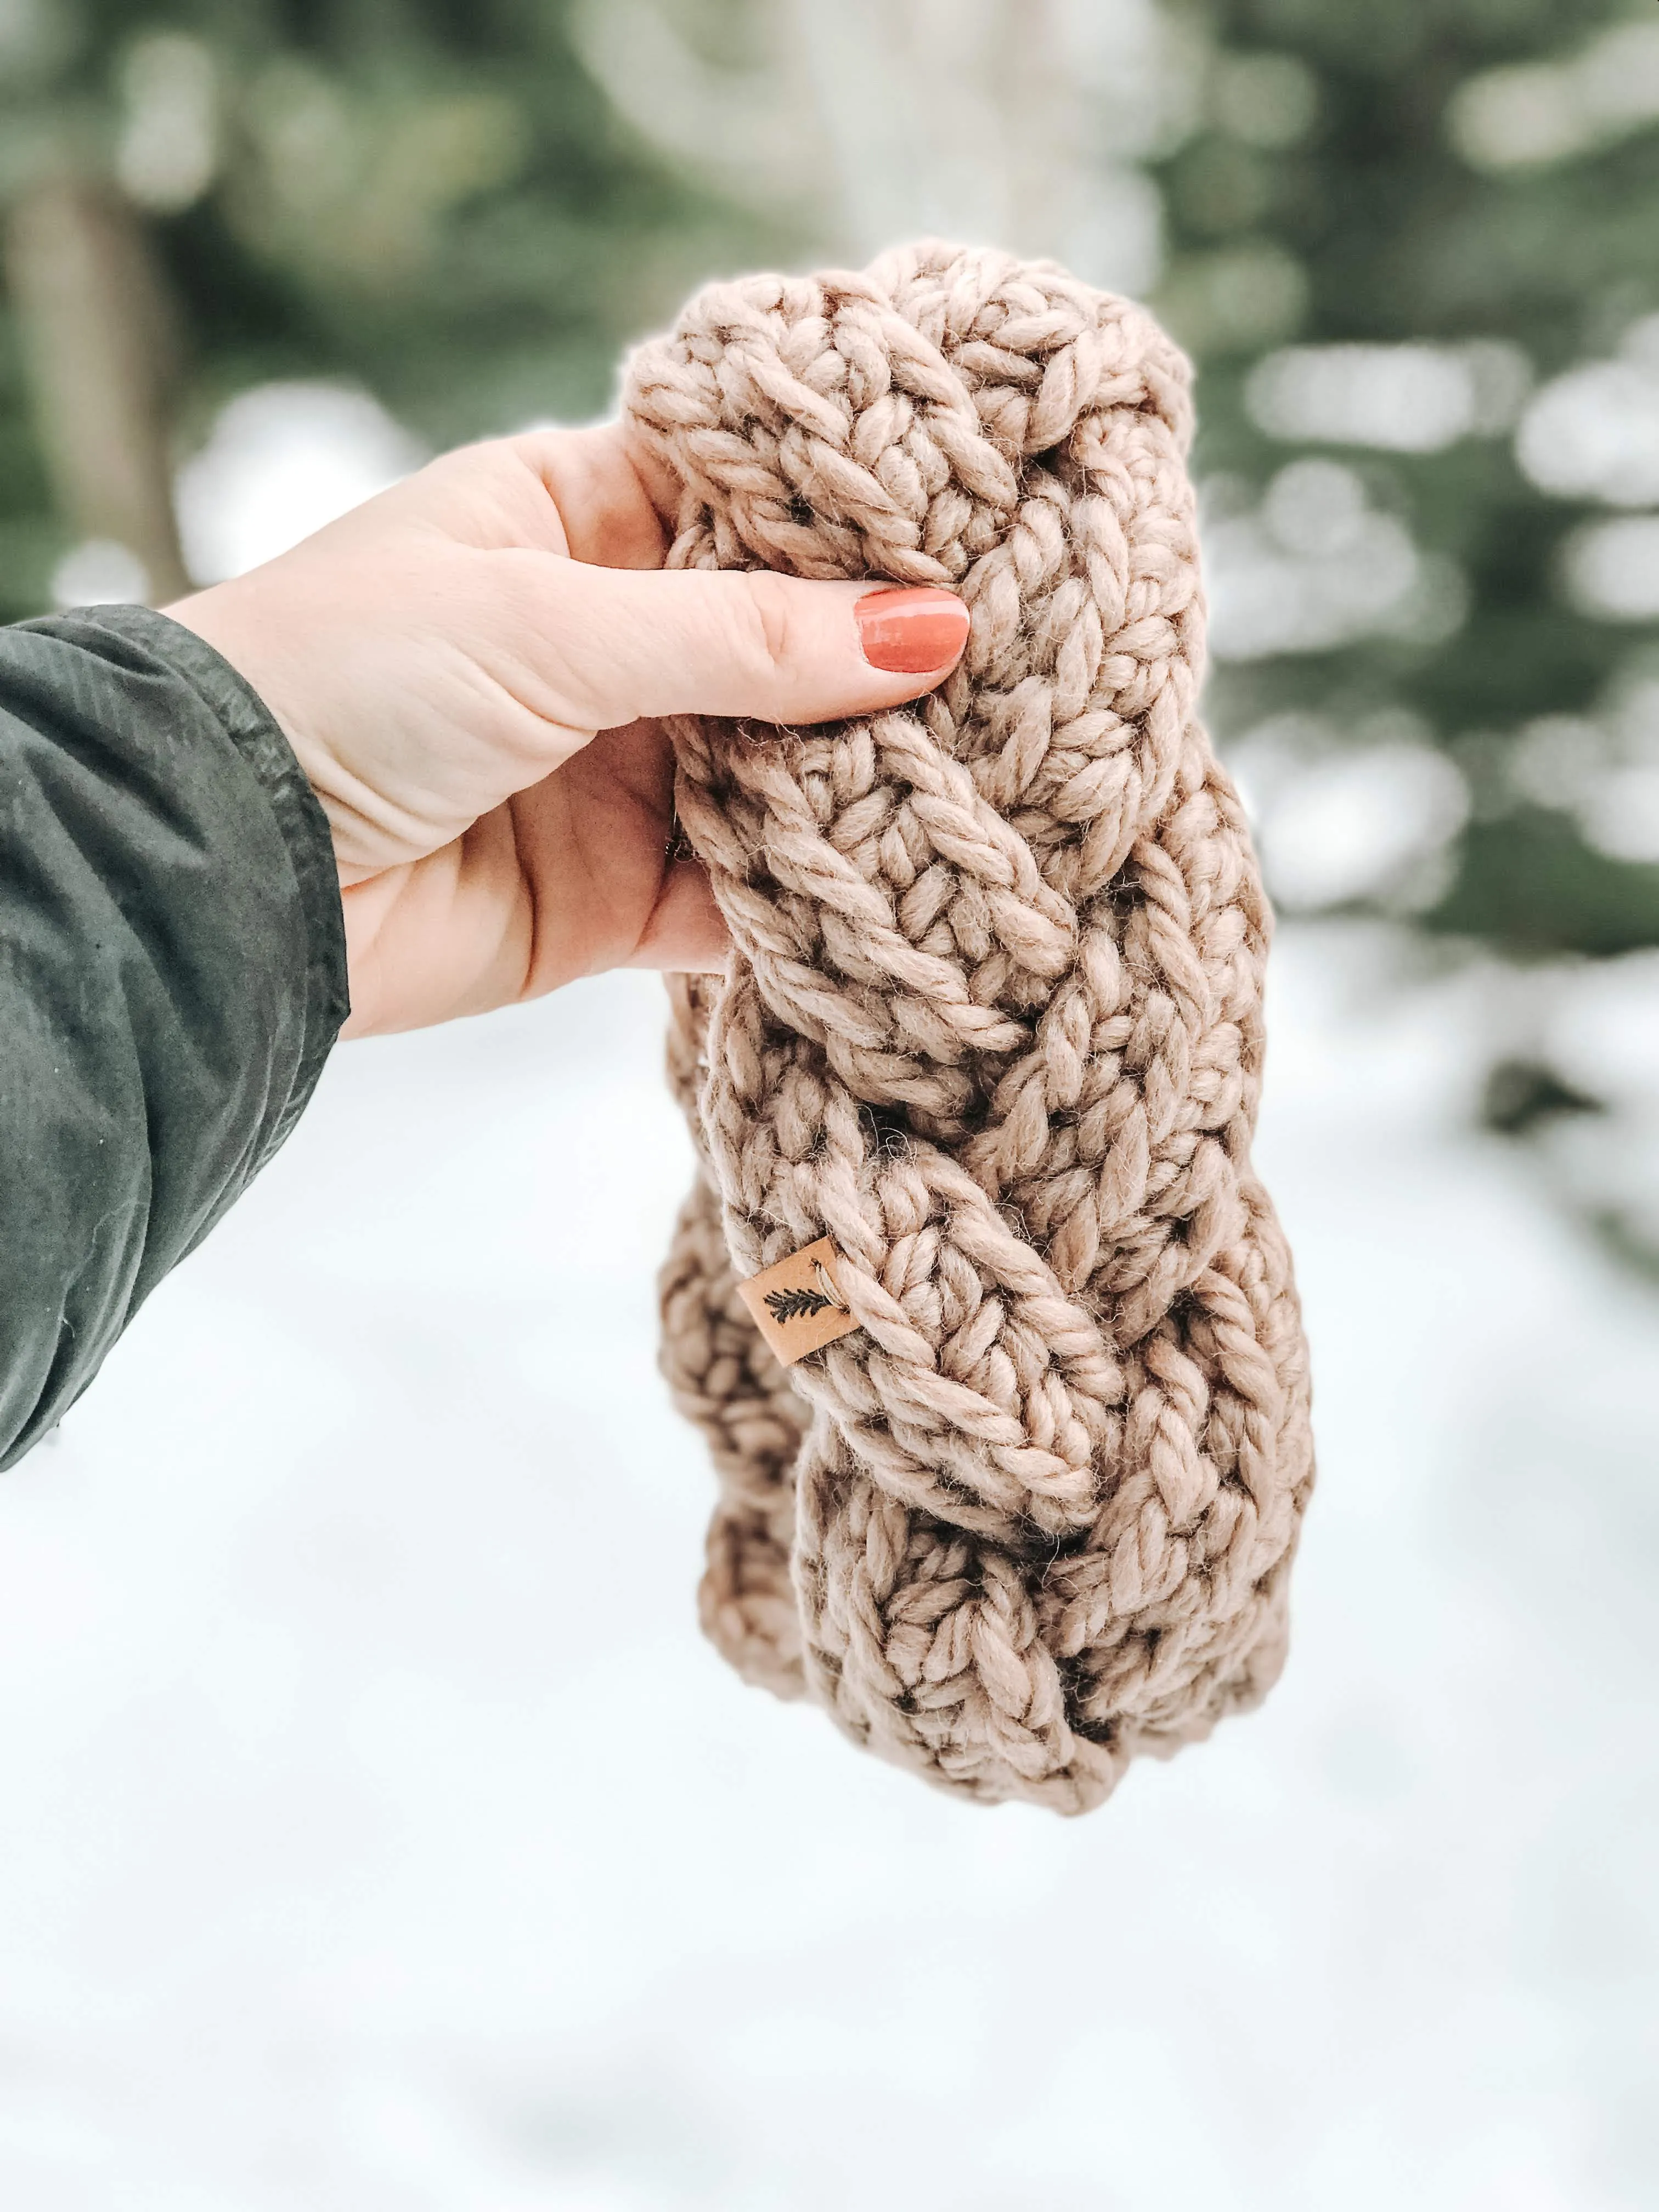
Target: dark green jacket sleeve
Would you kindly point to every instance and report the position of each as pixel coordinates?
(172, 976)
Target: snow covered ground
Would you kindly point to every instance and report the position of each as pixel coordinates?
(377, 1834)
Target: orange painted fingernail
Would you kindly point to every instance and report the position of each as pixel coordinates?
(909, 631)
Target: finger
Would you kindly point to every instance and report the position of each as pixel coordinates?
(604, 505)
(553, 491)
(660, 485)
(627, 643)
(686, 929)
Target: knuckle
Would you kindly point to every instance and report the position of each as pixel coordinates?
(767, 617)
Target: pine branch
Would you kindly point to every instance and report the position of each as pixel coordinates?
(796, 1305)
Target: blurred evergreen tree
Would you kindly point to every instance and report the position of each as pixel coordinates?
(1476, 174)
(440, 199)
(431, 197)
(1478, 179)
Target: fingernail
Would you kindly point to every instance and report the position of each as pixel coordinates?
(909, 631)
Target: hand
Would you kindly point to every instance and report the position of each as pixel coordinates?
(469, 669)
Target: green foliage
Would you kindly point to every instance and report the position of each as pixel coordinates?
(1528, 884)
(427, 196)
(1338, 192)
(1522, 1096)
(433, 197)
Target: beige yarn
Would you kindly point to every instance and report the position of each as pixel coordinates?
(994, 1023)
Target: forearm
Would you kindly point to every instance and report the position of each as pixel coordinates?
(172, 976)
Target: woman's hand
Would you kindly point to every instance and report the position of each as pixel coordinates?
(469, 669)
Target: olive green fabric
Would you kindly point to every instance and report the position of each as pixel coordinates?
(172, 976)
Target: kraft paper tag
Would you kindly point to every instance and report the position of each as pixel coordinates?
(796, 1303)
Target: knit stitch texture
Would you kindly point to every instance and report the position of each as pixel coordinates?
(994, 1023)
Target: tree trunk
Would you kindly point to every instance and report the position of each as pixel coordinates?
(98, 339)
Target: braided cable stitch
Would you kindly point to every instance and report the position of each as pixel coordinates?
(993, 1023)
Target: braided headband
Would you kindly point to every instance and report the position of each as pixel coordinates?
(990, 1042)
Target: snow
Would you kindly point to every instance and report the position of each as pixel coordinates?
(377, 1832)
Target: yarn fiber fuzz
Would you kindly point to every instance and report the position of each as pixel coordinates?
(992, 1022)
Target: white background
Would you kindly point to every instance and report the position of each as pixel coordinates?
(377, 1834)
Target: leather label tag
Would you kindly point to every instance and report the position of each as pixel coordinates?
(796, 1303)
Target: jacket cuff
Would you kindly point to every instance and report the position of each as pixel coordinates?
(298, 812)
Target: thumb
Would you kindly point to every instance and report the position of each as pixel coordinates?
(631, 642)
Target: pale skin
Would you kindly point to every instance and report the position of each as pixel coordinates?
(472, 669)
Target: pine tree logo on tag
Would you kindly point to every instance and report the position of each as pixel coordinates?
(797, 1302)
(801, 1304)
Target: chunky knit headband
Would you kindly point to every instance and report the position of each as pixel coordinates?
(989, 1044)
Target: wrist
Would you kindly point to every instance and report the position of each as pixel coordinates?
(229, 616)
